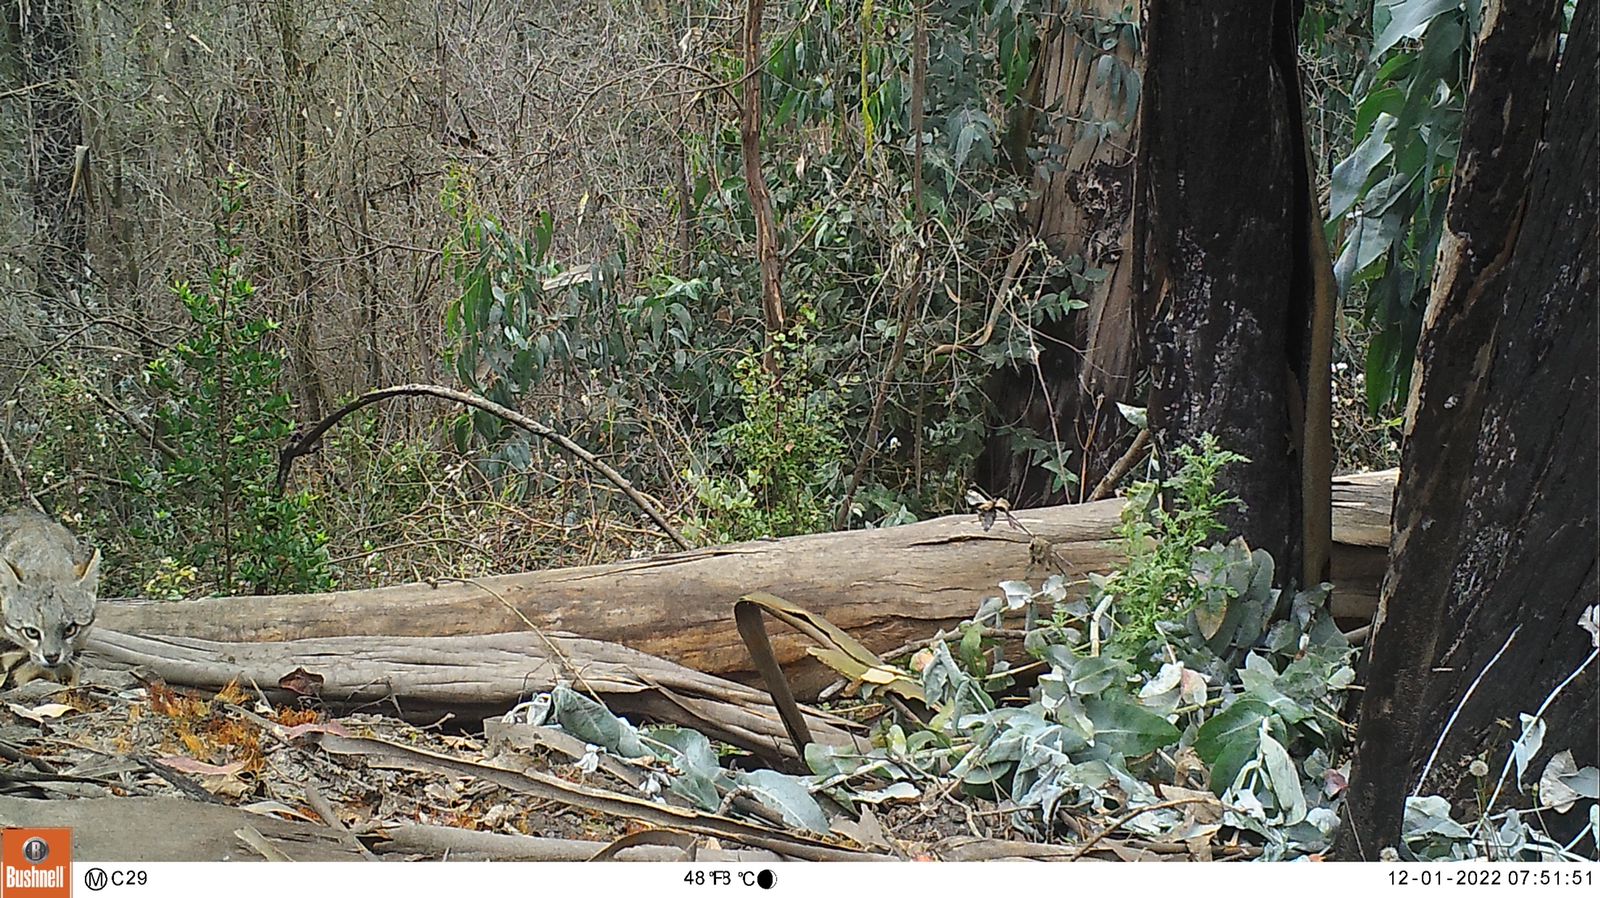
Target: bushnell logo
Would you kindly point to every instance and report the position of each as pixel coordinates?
(37, 862)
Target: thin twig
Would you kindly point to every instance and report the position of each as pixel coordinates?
(308, 442)
(16, 471)
(911, 294)
(139, 427)
(330, 816)
(183, 783)
(1537, 716)
(1120, 470)
(1123, 820)
(761, 210)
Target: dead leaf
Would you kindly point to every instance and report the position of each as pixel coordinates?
(295, 732)
(184, 764)
(40, 713)
(269, 808)
(301, 682)
(1201, 806)
(226, 786)
(233, 693)
(868, 833)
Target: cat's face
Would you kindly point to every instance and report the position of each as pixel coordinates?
(50, 619)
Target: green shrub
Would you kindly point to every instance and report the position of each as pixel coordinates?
(214, 507)
(781, 461)
(1158, 583)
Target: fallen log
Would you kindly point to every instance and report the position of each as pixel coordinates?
(468, 677)
(886, 587)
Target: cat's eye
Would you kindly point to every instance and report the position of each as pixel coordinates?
(31, 633)
(70, 630)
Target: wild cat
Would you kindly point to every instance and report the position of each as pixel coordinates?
(47, 598)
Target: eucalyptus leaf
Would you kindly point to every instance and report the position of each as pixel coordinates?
(1239, 722)
(1134, 415)
(1230, 763)
(1123, 727)
(1562, 784)
(1284, 779)
(1430, 815)
(790, 796)
(1527, 745)
(589, 720)
(1091, 675)
(1407, 19)
(1350, 175)
(1017, 593)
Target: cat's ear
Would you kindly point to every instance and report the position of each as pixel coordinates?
(10, 577)
(89, 571)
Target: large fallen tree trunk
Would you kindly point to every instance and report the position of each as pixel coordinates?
(470, 678)
(886, 587)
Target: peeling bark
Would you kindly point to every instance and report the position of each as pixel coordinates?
(1088, 360)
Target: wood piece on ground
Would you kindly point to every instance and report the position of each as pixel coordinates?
(474, 677)
(330, 816)
(259, 844)
(886, 587)
(470, 845)
(544, 787)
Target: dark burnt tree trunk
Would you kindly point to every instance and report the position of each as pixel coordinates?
(1222, 238)
(1088, 360)
(1494, 524)
(45, 35)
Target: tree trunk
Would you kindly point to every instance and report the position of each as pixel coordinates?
(296, 248)
(47, 48)
(1493, 551)
(886, 587)
(1227, 272)
(1087, 359)
(756, 182)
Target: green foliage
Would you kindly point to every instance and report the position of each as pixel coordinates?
(1250, 679)
(1388, 196)
(214, 507)
(526, 329)
(782, 458)
(1162, 537)
(1388, 192)
(513, 325)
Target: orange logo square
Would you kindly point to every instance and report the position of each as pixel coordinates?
(37, 863)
